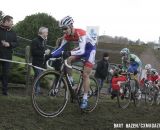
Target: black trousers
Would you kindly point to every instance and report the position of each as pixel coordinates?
(4, 66)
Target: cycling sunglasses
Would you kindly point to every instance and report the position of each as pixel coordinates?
(64, 28)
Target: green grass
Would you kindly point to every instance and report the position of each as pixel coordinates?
(17, 113)
(16, 58)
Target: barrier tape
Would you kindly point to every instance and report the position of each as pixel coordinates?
(24, 63)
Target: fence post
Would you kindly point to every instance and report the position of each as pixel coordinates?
(28, 68)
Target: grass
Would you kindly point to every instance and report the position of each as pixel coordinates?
(17, 113)
(16, 58)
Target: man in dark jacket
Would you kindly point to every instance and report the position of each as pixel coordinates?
(102, 69)
(8, 41)
(38, 52)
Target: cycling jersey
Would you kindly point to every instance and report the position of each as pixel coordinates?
(136, 58)
(151, 77)
(134, 66)
(86, 46)
(115, 80)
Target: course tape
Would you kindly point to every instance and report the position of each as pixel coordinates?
(24, 63)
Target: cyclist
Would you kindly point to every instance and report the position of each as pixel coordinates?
(131, 63)
(153, 77)
(86, 49)
(146, 74)
(150, 74)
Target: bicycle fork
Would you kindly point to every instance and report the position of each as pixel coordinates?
(55, 85)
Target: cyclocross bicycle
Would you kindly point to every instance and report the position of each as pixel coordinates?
(151, 93)
(128, 91)
(55, 88)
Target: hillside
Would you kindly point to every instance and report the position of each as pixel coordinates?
(146, 53)
(17, 113)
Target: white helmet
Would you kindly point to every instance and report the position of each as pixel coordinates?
(154, 71)
(148, 66)
(66, 21)
(125, 51)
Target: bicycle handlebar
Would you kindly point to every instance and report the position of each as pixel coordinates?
(69, 66)
(126, 73)
(53, 59)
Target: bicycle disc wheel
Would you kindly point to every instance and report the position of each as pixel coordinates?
(51, 97)
(124, 96)
(93, 95)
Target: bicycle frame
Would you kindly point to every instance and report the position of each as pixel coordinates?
(128, 90)
(58, 88)
(64, 73)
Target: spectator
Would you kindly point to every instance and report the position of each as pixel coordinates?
(38, 51)
(102, 69)
(8, 41)
(116, 82)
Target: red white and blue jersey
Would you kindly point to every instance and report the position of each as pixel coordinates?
(86, 45)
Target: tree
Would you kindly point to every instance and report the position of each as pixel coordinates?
(28, 28)
(1, 15)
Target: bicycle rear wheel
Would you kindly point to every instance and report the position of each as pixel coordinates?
(93, 95)
(52, 96)
(124, 96)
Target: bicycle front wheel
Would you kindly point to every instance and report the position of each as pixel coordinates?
(136, 94)
(124, 96)
(150, 95)
(49, 94)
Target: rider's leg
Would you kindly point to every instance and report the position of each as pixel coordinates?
(86, 84)
(69, 71)
(86, 81)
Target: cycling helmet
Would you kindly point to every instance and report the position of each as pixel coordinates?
(154, 71)
(125, 51)
(66, 21)
(148, 66)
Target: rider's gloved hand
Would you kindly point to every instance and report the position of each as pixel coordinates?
(46, 57)
(66, 54)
